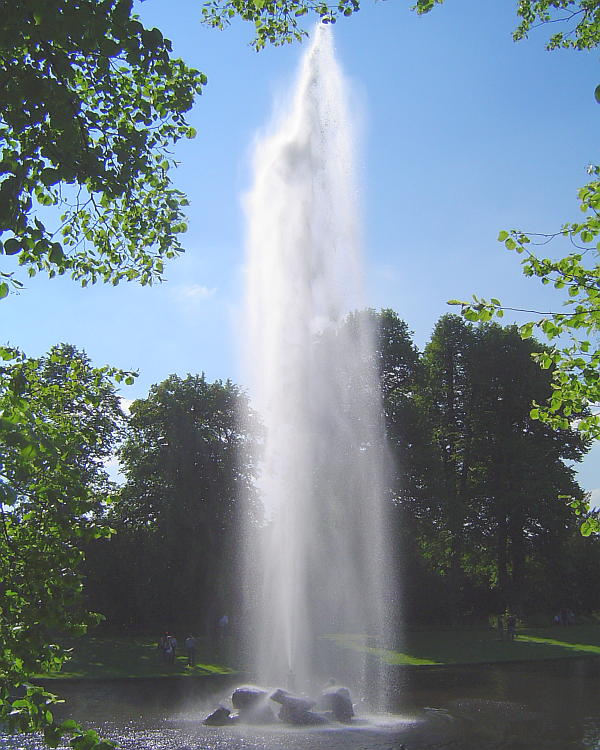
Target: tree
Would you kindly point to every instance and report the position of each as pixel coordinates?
(576, 364)
(523, 474)
(497, 476)
(59, 418)
(446, 399)
(189, 457)
(91, 104)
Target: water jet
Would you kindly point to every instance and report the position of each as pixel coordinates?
(320, 565)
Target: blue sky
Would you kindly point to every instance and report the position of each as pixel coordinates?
(462, 133)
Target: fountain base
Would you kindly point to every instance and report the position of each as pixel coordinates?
(254, 707)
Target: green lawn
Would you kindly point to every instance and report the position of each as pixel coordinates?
(482, 646)
(138, 657)
(98, 657)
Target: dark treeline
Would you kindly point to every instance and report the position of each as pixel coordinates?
(477, 497)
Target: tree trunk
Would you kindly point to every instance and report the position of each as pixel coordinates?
(502, 557)
(517, 539)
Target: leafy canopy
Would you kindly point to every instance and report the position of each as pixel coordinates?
(581, 18)
(91, 104)
(276, 23)
(190, 458)
(59, 418)
(279, 22)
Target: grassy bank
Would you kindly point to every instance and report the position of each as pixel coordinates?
(97, 657)
(424, 648)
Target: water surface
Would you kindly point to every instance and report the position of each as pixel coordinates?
(530, 706)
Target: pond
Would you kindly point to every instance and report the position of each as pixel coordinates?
(518, 706)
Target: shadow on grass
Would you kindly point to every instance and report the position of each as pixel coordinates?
(100, 658)
(425, 648)
(125, 657)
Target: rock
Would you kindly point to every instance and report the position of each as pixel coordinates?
(280, 695)
(291, 701)
(300, 717)
(296, 711)
(247, 697)
(339, 702)
(219, 718)
(259, 715)
(252, 707)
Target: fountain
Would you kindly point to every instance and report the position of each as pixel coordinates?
(319, 570)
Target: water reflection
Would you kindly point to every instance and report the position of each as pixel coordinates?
(529, 706)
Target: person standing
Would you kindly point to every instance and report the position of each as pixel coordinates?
(511, 627)
(190, 649)
(500, 628)
(223, 626)
(171, 647)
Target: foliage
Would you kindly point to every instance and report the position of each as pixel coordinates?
(477, 514)
(276, 23)
(399, 370)
(583, 16)
(574, 356)
(92, 103)
(497, 477)
(189, 457)
(576, 364)
(58, 420)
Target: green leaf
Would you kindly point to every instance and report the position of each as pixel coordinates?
(49, 176)
(109, 48)
(503, 236)
(52, 735)
(470, 314)
(12, 246)
(526, 330)
(56, 254)
(29, 451)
